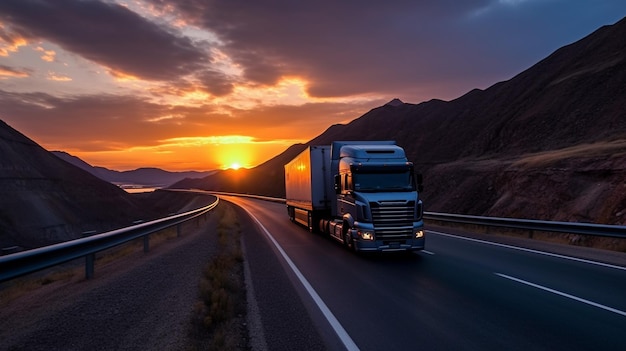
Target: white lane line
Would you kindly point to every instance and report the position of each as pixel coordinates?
(531, 250)
(428, 252)
(595, 304)
(334, 323)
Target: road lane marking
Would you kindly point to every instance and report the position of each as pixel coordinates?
(428, 252)
(579, 299)
(531, 250)
(330, 317)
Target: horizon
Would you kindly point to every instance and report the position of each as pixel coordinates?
(143, 84)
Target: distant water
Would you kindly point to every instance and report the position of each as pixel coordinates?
(138, 188)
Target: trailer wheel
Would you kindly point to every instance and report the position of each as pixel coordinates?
(324, 227)
(310, 221)
(291, 214)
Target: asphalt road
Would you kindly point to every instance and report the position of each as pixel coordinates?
(309, 293)
(459, 294)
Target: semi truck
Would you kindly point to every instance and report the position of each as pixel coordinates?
(364, 194)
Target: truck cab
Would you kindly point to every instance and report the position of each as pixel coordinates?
(377, 197)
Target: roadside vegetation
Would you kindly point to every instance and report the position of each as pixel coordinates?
(219, 320)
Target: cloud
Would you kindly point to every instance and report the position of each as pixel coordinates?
(58, 77)
(47, 55)
(215, 82)
(114, 122)
(412, 49)
(12, 72)
(9, 41)
(108, 34)
(342, 48)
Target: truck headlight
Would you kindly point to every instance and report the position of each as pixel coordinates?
(419, 234)
(366, 235)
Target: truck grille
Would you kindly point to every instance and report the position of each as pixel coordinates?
(393, 220)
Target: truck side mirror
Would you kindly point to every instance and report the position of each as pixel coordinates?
(337, 183)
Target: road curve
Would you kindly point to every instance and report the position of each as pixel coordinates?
(459, 294)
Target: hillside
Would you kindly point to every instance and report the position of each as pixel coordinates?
(140, 176)
(265, 179)
(44, 200)
(550, 143)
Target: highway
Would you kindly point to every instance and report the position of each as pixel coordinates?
(458, 294)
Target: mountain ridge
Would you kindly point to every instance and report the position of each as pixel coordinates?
(149, 176)
(145, 176)
(476, 151)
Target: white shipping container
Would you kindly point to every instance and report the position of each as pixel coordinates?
(307, 179)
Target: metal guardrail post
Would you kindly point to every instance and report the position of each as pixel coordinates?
(90, 265)
(89, 259)
(25, 262)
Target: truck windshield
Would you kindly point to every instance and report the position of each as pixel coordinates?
(388, 181)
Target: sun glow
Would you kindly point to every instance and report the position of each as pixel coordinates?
(234, 156)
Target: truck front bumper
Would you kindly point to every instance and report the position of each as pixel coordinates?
(415, 242)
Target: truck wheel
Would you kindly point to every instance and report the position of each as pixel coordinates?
(324, 227)
(348, 242)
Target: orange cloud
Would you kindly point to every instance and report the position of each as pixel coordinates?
(122, 77)
(48, 55)
(7, 72)
(9, 41)
(58, 78)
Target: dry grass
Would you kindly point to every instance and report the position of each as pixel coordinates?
(613, 148)
(219, 314)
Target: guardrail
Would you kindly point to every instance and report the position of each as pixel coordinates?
(606, 230)
(614, 231)
(22, 263)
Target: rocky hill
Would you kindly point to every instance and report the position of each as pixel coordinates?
(45, 200)
(549, 143)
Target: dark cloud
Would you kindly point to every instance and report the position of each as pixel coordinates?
(424, 48)
(108, 34)
(215, 82)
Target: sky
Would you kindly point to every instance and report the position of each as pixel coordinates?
(213, 84)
